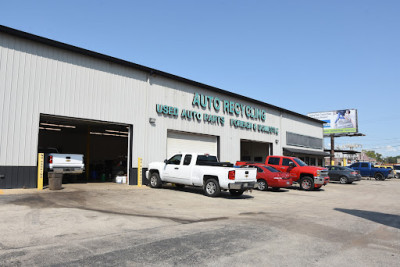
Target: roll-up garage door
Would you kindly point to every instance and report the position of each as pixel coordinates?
(178, 142)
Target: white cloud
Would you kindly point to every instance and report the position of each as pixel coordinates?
(389, 151)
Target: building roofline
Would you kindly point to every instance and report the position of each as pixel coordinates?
(97, 55)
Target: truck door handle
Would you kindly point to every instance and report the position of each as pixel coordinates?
(176, 168)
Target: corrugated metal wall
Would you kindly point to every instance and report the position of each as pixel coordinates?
(36, 78)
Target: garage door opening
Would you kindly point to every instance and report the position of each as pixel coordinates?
(254, 151)
(104, 146)
(180, 142)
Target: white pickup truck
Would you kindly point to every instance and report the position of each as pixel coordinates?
(63, 163)
(202, 170)
(66, 163)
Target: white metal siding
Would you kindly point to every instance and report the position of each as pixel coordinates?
(36, 78)
(191, 143)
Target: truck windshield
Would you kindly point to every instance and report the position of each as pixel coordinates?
(206, 159)
(397, 167)
(300, 162)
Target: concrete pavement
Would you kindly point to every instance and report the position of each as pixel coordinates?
(109, 224)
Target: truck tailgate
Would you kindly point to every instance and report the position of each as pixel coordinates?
(66, 160)
(246, 175)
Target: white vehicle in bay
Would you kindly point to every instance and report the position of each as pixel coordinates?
(62, 163)
(202, 170)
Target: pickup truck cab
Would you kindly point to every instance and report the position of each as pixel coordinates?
(202, 170)
(268, 176)
(309, 177)
(367, 169)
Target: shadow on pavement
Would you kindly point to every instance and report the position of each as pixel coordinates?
(281, 190)
(391, 220)
(321, 189)
(199, 190)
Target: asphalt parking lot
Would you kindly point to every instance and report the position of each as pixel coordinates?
(115, 225)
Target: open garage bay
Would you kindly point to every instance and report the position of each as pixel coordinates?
(104, 145)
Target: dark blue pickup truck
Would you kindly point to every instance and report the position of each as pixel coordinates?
(367, 169)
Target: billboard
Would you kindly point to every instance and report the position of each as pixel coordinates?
(338, 122)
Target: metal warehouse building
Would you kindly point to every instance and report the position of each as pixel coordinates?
(54, 95)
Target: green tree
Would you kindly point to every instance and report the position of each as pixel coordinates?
(374, 155)
(370, 153)
(392, 160)
(378, 157)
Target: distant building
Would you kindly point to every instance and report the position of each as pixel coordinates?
(343, 157)
(363, 157)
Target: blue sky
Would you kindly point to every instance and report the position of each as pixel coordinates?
(304, 56)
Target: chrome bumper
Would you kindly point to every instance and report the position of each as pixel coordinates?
(67, 170)
(243, 185)
(319, 180)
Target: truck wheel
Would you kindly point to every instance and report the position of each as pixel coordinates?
(379, 176)
(211, 188)
(343, 180)
(307, 184)
(262, 185)
(155, 181)
(236, 193)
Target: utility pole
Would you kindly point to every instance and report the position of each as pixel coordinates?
(332, 150)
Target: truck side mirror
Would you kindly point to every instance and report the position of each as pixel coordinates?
(291, 164)
(166, 161)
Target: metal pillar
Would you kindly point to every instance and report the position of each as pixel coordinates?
(87, 165)
(332, 150)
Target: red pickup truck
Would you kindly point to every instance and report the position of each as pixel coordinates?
(309, 177)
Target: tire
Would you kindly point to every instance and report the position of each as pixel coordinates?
(155, 181)
(398, 176)
(307, 184)
(379, 176)
(236, 193)
(343, 180)
(262, 185)
(212, 188)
